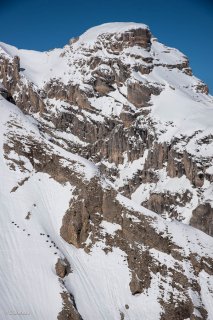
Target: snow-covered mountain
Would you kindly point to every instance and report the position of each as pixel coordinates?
(106, 159)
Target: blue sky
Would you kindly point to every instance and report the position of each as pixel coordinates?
(45, 24)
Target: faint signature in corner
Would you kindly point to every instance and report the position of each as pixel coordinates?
(18, 313)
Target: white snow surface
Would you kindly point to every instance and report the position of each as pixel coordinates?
(99, 281)
(29, 285)
(109, 227)
(27, 262)
(186, 114)
(91, 35)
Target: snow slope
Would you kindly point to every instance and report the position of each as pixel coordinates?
(29, 286)
(33, 202)
(99, 281)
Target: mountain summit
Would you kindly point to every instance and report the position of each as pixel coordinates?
(106, 173)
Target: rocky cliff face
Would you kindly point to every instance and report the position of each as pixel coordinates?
(118, 119)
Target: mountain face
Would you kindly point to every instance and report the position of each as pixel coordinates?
(106, 191)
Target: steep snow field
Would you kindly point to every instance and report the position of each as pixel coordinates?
(32, 204)
(28, 283)
(99, 282)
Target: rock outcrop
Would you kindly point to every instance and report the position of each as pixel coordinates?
(202, 218)
(111, 135)
(118, 122)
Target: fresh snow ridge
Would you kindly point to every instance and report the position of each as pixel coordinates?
(91, 35)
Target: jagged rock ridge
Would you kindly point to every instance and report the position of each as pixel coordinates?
(89, 133)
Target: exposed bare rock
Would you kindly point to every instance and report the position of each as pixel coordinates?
(202, 218)
(119, 123)
(69, 311)
(162, 202)
(139, 94)
(117, 42)
(62, 268)
(102, 87)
